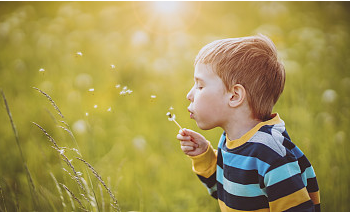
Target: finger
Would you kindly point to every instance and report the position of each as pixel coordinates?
(187, 149)
(188, 143)
(183, 138)
(182, 131)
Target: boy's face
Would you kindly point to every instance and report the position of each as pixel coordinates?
(209, 98)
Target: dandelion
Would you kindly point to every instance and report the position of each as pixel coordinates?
(79, 54)
(41, 70)
(91, 89)
(172, 118)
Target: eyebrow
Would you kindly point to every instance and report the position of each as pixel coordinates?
(198, 79)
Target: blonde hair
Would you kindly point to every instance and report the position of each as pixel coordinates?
(251, 62)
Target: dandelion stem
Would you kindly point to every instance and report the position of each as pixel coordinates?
(177, 124)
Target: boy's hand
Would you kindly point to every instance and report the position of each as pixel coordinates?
(192, 143)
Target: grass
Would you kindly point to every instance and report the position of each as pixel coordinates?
(67, 49)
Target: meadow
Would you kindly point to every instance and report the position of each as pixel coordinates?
(99, 78)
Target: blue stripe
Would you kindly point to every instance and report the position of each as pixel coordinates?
(242, 203)
(285, 187)
(297, 152)
(281, 173)
(250, 190)
(245, 162)
(307, 174)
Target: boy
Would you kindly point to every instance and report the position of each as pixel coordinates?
(256, 166)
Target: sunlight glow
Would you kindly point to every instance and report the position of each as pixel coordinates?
(166, 7)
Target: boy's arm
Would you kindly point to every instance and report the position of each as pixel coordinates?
(285, 187)
(203, 156)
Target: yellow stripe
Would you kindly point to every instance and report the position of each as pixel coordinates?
(315, 197)
(238, 142)
(290, 201)
(225, 208)
(205, 163)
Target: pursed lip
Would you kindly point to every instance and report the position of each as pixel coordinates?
(191, 113)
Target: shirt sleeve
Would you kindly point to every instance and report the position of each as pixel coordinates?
(285, 187)
(204, 165)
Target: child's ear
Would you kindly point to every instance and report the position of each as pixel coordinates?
(238, 95)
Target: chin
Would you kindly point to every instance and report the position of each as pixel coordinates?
(204, 126)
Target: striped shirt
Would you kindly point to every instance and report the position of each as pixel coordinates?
(261, 171)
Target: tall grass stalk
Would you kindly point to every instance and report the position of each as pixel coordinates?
(115, 204)
(29, 177)
(3, 200)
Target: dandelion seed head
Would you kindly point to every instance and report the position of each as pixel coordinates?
(171, 116)
(91, 89)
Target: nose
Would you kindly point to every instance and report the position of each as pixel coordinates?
(190, 94)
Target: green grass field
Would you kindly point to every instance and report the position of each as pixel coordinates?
(115, 68)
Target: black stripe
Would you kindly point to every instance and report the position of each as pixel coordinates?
(210, 181)
(241, 203)
(312, 185)
(285, 187)
(307, 206)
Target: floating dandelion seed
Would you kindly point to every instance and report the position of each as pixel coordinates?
(117, 86)
(125, 87)
(41, 70)
(113, 66)
(86, 114)
(91, 89)
(122, 93)
(153, 96)
(128, 91)
(171, 108)
(172, 118)
(79, 54)
(109, 109)
(95, 106)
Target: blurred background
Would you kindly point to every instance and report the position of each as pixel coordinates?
(114, 69)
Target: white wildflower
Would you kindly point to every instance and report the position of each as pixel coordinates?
(61, 151)
(171, 116)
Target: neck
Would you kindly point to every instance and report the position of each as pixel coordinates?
(239, 124)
